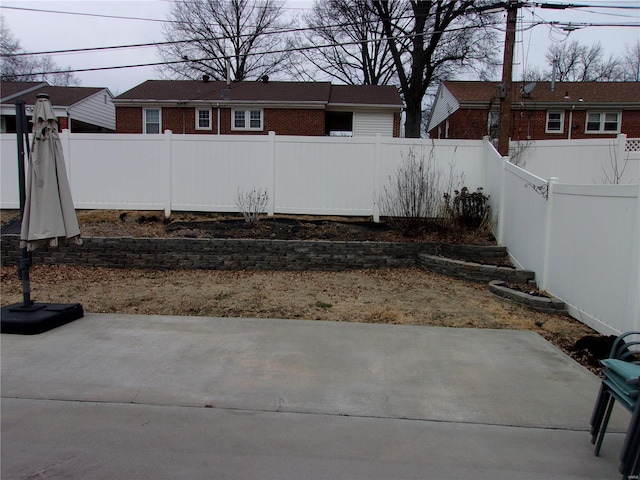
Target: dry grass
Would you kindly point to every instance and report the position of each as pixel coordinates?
(399, 296)
(403, 297)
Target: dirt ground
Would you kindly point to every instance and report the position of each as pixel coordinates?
(397, 296)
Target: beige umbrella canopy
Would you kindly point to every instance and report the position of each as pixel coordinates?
(49, 215)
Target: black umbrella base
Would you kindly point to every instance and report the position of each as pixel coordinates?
(38, 318)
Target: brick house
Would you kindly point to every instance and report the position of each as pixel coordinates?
(286, 108)
(572, 110)
(79, 109)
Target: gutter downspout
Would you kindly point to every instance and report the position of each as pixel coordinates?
(218, 105)
(570, 127)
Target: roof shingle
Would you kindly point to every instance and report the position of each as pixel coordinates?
(589, 92)
(270, 92)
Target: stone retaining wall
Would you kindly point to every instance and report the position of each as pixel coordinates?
(475, 272)
(542, 304)
(222, 254)
(246, 254)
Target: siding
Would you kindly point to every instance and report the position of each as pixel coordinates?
(445, 105)
(95, 111)
(371, 123)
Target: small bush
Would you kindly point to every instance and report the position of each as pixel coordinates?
(413, 194)
(253, 205)
(467, 209)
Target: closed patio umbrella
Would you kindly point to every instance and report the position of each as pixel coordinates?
(47, 217)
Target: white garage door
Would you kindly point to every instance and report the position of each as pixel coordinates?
(370, 123)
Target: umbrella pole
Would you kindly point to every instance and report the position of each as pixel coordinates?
(30, 318)
(22, 130)
(23, 276)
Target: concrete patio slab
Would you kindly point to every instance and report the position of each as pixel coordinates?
(124, 396)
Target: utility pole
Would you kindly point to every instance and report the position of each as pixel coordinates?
(505, 93)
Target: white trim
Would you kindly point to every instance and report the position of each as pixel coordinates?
(603, 114)
(210, 126)
(247, 119)
(546, 123)
(144, 120)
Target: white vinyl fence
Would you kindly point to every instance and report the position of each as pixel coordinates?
(302, 175)
(583, 241)
(589, 162)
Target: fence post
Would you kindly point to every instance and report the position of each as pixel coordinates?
(544, 281)
(620, 156)
(635, 257)
(377, 157)
(271, 209)
(503, 200)
(168, 184)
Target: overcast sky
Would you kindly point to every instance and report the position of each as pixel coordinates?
(45, 31)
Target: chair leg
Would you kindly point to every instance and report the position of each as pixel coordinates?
(598, 412)
(631, 445)
(603, 427)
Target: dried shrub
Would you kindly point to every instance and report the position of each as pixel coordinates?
(413, 195)
(467, 209)
(253, 205)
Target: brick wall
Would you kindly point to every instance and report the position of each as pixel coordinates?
(532, 124)
(295, 122)
(182, 120)
(396, 124)
(128, 120)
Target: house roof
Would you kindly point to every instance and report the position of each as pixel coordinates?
(321, 93)
(59, 96)
(589, 92)
(453, 95)
(9, 90)
(365, 94)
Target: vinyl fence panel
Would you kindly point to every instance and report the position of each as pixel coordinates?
(208, 173)
(117, 172)
(593, 258)
(588, 162)
(9, 190)
(326, 176)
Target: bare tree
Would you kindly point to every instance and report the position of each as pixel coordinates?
(17, 65)
(349, 37)
(631, 62)
(436, 40)
(576, 62)
(209, 33)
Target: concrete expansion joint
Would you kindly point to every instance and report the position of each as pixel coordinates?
(281, 409)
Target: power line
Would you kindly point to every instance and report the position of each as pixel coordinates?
(212, 58)
(176, 42)
(117, 17)
(566, 26)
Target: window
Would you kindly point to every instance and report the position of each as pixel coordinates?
(555, 121)
(152, 120)
(246, 119)
(339, 124)
(603, 122)
(203, 119)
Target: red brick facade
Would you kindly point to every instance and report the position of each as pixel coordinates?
(396, 124)
(531, 125)
(182, 120)
(129, 120)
